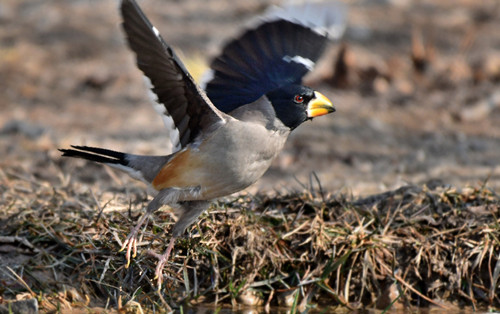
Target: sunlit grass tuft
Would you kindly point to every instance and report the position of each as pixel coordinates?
(412, 247)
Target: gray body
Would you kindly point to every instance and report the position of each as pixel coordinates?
(229, 158)
(219, 151)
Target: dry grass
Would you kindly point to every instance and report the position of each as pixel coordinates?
(413, 247)
(61, 224)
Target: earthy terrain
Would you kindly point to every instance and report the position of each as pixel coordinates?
(416, 87)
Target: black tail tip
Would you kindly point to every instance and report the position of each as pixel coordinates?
(96, 154)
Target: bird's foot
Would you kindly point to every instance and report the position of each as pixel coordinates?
(131, 242)
(131, 245)
(162, 260)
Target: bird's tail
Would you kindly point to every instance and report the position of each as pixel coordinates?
(102, 155)
(142, 168)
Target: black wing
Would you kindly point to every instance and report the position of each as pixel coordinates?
(187, 105)
(273, 55)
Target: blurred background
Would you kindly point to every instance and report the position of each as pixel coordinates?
(415, 84)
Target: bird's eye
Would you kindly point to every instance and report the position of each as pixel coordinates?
(298, 99)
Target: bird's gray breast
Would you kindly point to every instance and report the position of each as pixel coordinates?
(244, 148)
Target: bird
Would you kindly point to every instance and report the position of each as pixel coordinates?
(228, 129)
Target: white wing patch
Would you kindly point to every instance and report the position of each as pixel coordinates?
(308, 63)
(173, 132)
(156, 31)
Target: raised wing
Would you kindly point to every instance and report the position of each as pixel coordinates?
(279, 52)
(274, 54)
(183, 101)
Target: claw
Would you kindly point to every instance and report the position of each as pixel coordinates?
(131, 242)
(131, 245)
(162, 260)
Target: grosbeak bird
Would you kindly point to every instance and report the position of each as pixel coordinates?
(227, 134)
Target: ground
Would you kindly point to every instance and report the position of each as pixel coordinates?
(67, 71)
(415, 85)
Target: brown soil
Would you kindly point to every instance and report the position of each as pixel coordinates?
(417, 103)
(66, 70)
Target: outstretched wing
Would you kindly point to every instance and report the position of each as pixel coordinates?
(178, 95)
(274, 54)
(280, 51)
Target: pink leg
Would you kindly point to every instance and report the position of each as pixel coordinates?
(131, 242)
(189, 212)
(162, 260)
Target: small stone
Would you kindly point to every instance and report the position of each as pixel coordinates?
(29, 306)
(251, 298)
(481, 109)
(389, 294)
(132, 307)
(27, 129)
(492, 66)
(404, 87)
(287, 298)
(380, 85)
(72, 294)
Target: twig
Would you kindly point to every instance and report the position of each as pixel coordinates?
(407, 285)
(21, 280)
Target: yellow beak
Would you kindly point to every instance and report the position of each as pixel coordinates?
(319, 106)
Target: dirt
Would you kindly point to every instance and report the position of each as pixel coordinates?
(67, 73)
(417, 101)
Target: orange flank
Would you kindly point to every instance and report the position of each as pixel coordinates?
(178, 171)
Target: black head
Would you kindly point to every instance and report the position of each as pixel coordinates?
(295, 104)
